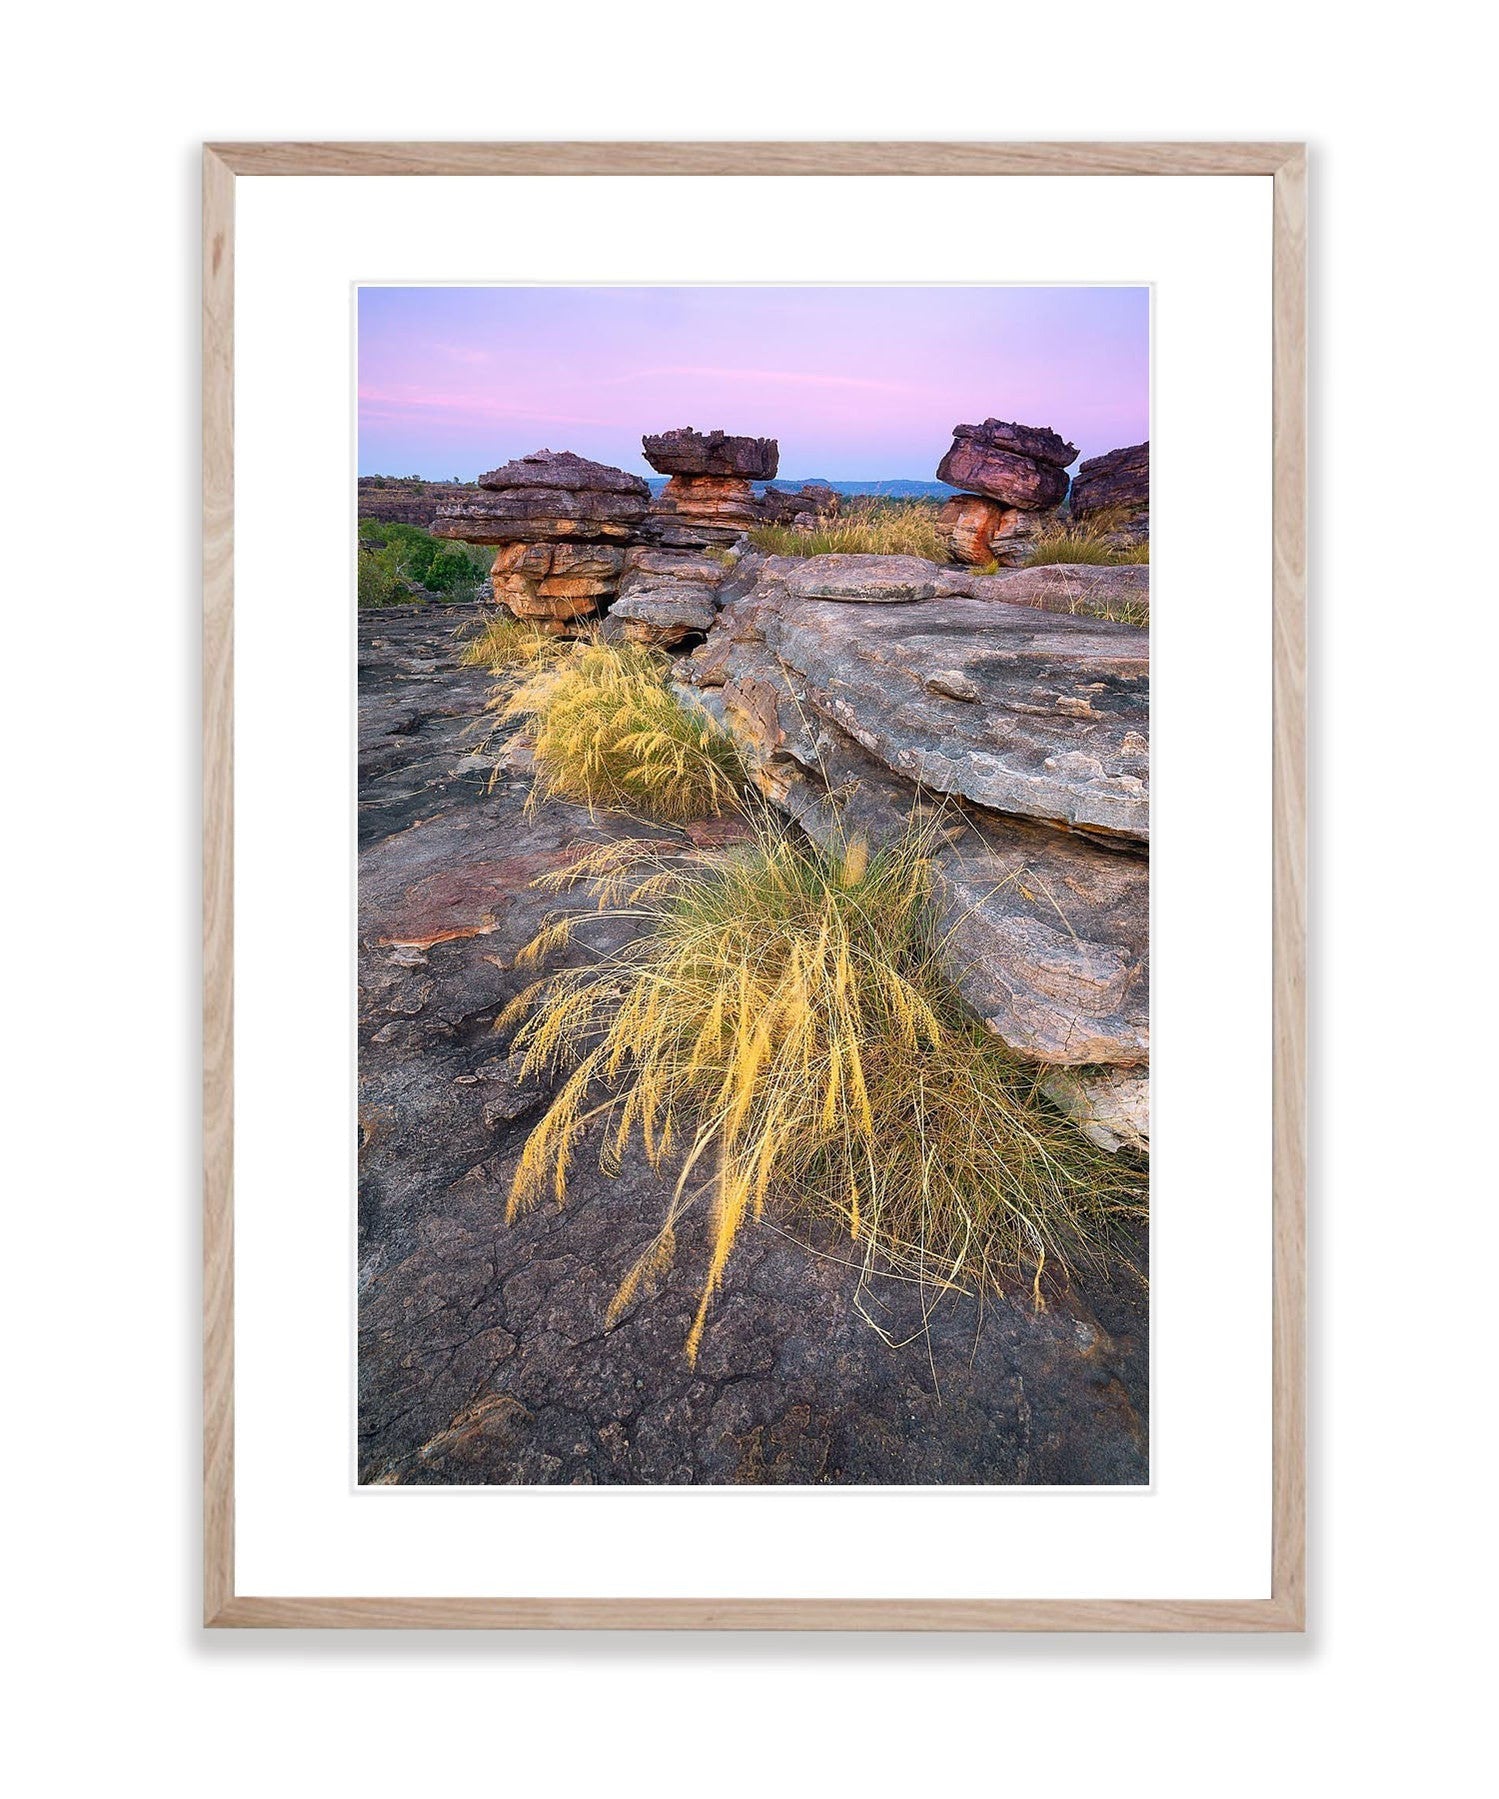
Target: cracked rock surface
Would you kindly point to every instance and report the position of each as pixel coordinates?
(483, 1354)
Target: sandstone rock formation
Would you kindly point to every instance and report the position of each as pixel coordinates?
(1018, 465)
(803, 508)
(709, 501)
(977, 530)
(559, 522)
(1025, 734)
(483, 1353)
(1016, 479)
(1117, 483)
(688, 452)
(665, 615)
(554, 582)
(544, 497)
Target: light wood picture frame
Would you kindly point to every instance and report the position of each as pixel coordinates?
(1285, 163)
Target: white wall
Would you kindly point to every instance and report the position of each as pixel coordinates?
(106, 108)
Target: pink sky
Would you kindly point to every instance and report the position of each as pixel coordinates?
(856, 383)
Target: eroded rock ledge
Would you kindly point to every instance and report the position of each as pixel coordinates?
(864, 690)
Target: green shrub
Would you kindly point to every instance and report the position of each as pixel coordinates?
(378, 582)
(393, 556)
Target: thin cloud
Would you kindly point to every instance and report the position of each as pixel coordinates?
(374, 404)
(788, 377)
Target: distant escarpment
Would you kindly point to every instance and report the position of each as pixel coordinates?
(403, 500)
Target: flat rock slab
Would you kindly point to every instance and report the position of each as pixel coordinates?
(868, 580)
(665, 615)
(1075, 588)
(562, 469)
(1053, 724)
(483, 1354)
(688, 452)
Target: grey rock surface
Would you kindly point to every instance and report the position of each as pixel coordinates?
(1046, 931)
(1064, 587)
(647, 567)
(893, 580)
(665, 615)
(1059, 732)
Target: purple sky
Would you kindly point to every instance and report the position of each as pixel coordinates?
(858, 383)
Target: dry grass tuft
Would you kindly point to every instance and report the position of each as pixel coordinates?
(499, 643)
(879, 528)
(778, 1030)
(610, 733)
(1087, 541)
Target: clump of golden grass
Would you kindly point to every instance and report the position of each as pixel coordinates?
(498, 642)
(1086, 540)
(1126, 611)
(779, 1030)
(879, 528)
(608, 732)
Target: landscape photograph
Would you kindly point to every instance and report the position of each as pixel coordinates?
(753, 885)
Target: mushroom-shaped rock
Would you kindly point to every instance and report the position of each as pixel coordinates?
(688, 452)
(562, 469)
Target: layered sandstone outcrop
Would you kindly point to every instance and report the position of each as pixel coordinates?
(709, 500)
(1117, 484)
(559, 523)
(1015, 478)
(864, 690)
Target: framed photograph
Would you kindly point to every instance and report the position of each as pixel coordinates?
(754, 806)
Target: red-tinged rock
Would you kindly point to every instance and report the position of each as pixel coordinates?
(717, 499)
(967, 524)
(647, 568)
(999, 474)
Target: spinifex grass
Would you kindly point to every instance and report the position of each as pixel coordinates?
(881, 528)
(778, 1030)
(498, 643)
(609, 732)
(1087, 541)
